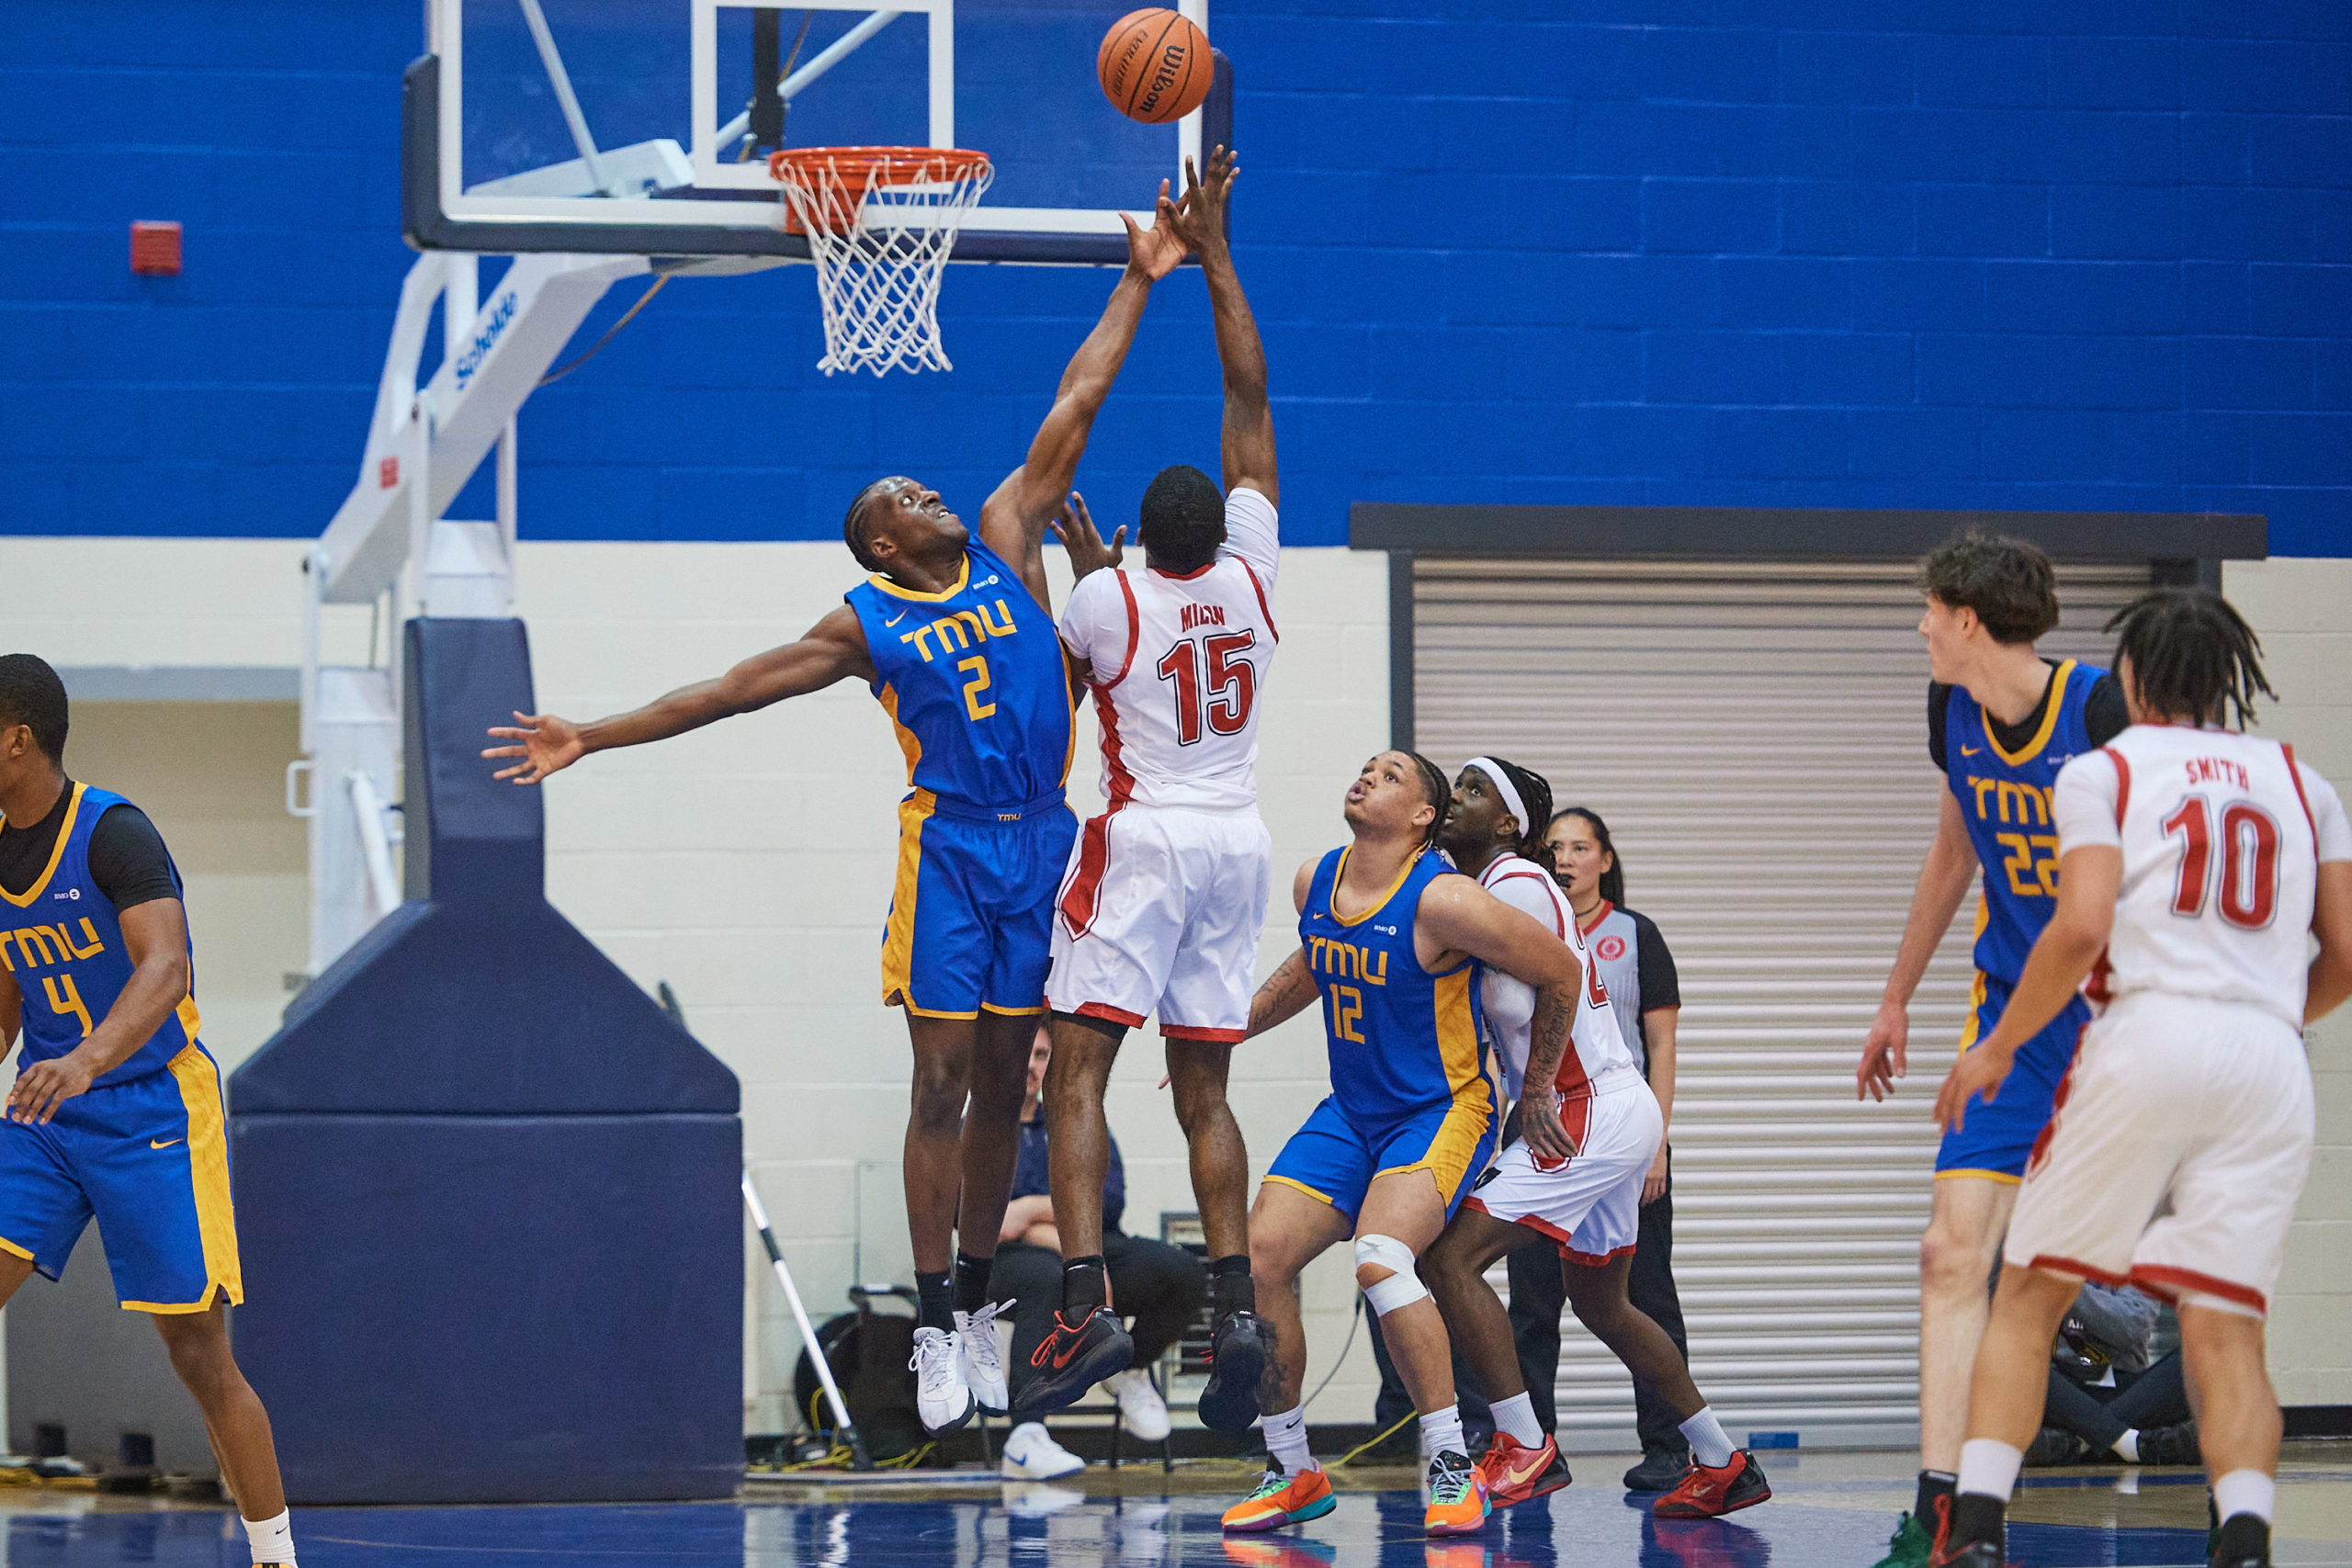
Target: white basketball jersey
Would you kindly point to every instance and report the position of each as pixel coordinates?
(2222, 836)
(1597, 1047)
(1180, 668)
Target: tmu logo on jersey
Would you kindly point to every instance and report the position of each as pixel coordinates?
(40, 946)
(961, 630)
(1346, 961)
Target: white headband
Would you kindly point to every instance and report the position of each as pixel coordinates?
(1494, 771)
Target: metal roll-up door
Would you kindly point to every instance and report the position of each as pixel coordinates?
(1756, 736)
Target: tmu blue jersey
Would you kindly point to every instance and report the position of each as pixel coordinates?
(1412, 1088)
(1402, 1039)
(2005, 799)
(973, 680)
(145, 1149)
(64, 947)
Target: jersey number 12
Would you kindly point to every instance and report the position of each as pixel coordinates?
(1231, 685)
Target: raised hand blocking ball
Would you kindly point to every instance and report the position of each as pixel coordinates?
(1155, 66)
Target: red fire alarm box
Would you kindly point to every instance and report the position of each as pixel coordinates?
(154, 249)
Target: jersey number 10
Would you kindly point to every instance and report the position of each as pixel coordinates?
(2249, 860)
(1231, 685)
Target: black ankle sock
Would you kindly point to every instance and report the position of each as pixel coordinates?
(1933, 1484)
(1085, 1286)
(2242, 1538)
(971, 1281)
(936, 1301)
(1231, 1289)
(1976, 1517)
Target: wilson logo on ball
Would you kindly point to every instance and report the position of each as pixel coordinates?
(1155, 66)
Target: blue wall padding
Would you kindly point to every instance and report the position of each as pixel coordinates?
(2010, 255)
(494, 1308)
(486, 1188)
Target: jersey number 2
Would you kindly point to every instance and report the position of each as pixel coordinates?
(1231, 684)
(2249, 860)
(977, 668)
(1347, 1011)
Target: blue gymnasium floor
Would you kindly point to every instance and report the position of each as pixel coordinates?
(1828, 1511)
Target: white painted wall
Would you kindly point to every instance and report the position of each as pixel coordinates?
(2303, 610)
(750, 864)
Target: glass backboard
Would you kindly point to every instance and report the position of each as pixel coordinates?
(638, 126)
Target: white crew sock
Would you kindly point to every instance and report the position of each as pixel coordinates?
(1710, 1444)
(1988, 1467)
(1442, 1432)
(2127, 1447)
(1286, 1440)
(272, 1540)
(2244, 1492)
(1516, 1418)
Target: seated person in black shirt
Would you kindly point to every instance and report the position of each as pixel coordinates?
(1161, 1286)
(2107, 1402)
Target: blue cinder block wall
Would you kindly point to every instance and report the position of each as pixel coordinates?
(1997, 253)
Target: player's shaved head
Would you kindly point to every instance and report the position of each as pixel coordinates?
(854, 525)
(1182, 519)
(32, 695)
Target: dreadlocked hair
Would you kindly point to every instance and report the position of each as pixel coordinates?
(1437, 791)
(2193, 657)
(1535, 794)
(1612, 881)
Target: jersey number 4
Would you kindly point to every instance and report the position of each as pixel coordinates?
(2249, 860)
(1230, 685)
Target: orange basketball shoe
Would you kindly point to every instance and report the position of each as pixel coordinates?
(1283, 1499)
(1458, 1500)
(1516, 1474)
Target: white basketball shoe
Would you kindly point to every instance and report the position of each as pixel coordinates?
(942, 1397)
(1141, 1410)
(983, 1360)
(1031, 1454)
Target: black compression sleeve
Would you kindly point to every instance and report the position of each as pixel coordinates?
(128, 860)
(1654, 966)
(1939, 703)
(2104, 714)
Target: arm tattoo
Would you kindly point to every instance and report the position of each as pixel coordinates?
(1286, 992)
(1555, 1011)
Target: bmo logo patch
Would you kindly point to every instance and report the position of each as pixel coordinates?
(1610, 948)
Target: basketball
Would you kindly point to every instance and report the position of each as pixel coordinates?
(1155, 66)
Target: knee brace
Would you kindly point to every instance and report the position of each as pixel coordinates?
(1403, 1287)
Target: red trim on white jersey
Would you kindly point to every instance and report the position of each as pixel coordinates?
(1207, 1036)
(1183, 576)
(1108, 1014)
(2296, 773)
(1558, 929)
(2169, 1283)
(1264, 608)
(1135, 635)
(2122, 783)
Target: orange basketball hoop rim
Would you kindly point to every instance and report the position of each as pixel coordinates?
(836, 179)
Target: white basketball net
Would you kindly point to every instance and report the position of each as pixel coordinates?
(881, 223)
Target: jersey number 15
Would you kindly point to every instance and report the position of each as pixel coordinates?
(1230, 685)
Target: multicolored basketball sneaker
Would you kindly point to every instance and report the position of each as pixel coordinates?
(1283, 1499)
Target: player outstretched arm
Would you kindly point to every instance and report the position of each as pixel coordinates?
(154, 936)
(2331, 970)
(833, 650)
(1943, 882)
(1461, 917)
(1249, 437)
(2088, 880)
(1012, 521)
